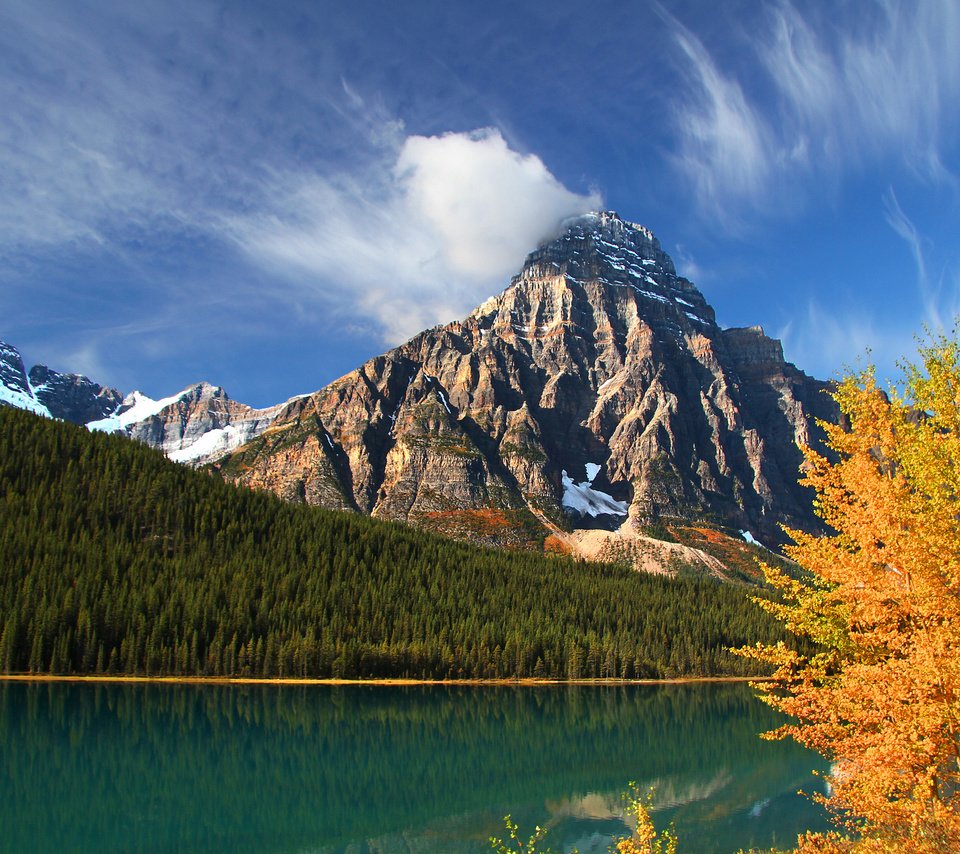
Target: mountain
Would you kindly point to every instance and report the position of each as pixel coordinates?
(593, 407)
(596, 392)
(69, 397)
(195, 425)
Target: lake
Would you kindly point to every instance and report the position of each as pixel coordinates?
(157, 768)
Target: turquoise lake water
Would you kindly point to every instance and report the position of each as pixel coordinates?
(363, 769)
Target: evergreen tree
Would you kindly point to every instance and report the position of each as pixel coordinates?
(114, 559)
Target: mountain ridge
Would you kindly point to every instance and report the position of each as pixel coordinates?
(596, 395)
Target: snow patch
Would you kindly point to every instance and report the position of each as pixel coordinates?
(439, 391)
(403, 397)
(221, 440)
(212, 443)
(136, 407)
(583, 499)
(651, 295)
(593, 469)
(751, 539)
(22, 400)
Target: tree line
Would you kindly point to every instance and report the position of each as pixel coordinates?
(115, 560)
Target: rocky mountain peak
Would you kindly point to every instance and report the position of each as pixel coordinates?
(593, 231)
(13, 375)
(595, 392)
(198, 424)
(71, 397)
(601, 272)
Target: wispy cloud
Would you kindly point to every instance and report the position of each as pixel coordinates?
(191, 129)
(822, 96)
(152, 118)
(939, 295)
(687, 265)
(830, 340)
(723, 140)
(416, 239)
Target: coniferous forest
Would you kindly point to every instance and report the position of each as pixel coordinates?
(114, 560)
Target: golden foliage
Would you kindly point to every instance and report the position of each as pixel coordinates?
(881, 699)
(644, 840)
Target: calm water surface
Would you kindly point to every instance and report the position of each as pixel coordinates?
(158, 768)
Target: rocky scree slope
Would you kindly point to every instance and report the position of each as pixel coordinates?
(596, 393)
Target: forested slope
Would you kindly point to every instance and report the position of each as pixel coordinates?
(115, 560)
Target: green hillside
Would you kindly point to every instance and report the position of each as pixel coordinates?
(115, 560)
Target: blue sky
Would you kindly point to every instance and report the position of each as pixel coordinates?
(264, 195)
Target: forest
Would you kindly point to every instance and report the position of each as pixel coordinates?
(114, 560)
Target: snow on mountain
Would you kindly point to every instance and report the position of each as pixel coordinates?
(582, 498)
(198, 424)
(193, 426)
(22, 400)
(136, 407)
(15, 388)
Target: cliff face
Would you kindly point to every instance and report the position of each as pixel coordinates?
(596, 390)
(72, 397)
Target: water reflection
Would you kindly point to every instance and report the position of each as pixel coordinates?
(378, 769)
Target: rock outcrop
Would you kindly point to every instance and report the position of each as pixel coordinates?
(72, 397)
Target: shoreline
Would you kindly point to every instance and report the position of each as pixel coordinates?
(391, 682)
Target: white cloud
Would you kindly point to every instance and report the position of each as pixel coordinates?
(416, 240)
(723, 144)
(830, 95)
(941, 303)
(169, 140)
(488, 205)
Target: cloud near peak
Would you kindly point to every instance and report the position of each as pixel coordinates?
(417, 241)
(488, 205)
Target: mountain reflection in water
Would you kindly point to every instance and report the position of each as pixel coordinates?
(100, 767)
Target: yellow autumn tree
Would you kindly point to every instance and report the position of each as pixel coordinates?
(881, 599)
